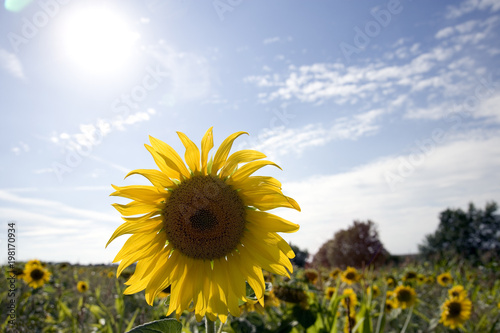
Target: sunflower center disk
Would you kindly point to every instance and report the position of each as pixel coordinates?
(36, 274)
(454, 310)
(204, 218)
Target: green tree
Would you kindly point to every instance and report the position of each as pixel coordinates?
(300, 256)
(474, 235)
(356, 246)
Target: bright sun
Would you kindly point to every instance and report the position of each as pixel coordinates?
(97, 39)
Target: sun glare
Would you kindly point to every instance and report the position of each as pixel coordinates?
(98, 40)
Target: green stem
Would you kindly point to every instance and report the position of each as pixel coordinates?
(209, 325)
(410, 311)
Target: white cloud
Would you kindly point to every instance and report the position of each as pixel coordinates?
(11, 63)
(280, 141)
(490, 108)
(469, 6)
(271, 40)
(451, 175)
(444, 33)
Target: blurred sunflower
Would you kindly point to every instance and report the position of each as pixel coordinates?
(445, 279)
(335, 273)
(455, 312)
(457, 291)
(329, 292)
(350, 275)
(421, 278)
(373, 290)
(311, 275)
(164, 293)
(351, 298)
(82, 286)
(35, 275)
(404, 297)
(430, 279)
(389, 305)
(391, 281)
(111, 274)
(205, 229)
(410, 276)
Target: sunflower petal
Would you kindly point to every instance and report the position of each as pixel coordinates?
(270, 222)
(206, 144)
(160, 162)
(192, 155)
(241, 156)
(140, 193)
(136, 208)
(157, 178)
(135, 228)
(249, 168)
(223, 151)
(169, 154)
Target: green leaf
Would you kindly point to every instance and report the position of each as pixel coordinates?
(168, 325)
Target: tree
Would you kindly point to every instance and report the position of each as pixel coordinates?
(474, 235)
(357, 246)
(300, 256)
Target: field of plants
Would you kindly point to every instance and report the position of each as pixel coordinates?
(414, 297)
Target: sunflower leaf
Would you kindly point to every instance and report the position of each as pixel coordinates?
(168, 325)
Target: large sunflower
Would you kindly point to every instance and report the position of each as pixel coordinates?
(205, 229)
(455, 312)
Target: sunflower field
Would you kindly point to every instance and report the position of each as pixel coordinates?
(417, 297)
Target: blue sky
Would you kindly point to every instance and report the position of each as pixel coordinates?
(376, 110)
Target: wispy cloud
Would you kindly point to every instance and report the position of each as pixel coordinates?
(281, 141)
(11, 64)
(469, 6)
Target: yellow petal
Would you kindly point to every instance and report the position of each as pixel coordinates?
(139, 193)
(132, 228)
(206, 144)
(249, 168)
(268, 201)
(192, 154)
(223, 151)
(136, 208)
(160, 162)
(170, 155)
(161, 278)
(157, 178)
(241, 156)
(270, 222)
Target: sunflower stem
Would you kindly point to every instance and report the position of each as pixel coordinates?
(209, 325)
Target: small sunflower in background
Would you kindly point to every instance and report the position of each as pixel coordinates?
(404, 297)
(410, 276)
(389, 305)
(329, 292)
(350, 275)
(421, 278)
(455, 312)
(18, 272)
(311, 275)
(373, 290)
(351, 298)
(36, 275)
(391, 281)
(33, 262)
(457, 291)
(82, 286)
(111, 274)
(271, 300)
(164, 293)
(203, 227)
(430, 279)
(445, 279)
(335, 273)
